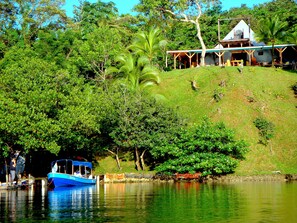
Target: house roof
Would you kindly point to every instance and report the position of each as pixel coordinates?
(241, 27)
(241, 35)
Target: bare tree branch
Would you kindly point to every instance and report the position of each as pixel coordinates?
(185, 18)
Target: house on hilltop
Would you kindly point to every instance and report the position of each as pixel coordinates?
(241, 35)
(238, 46)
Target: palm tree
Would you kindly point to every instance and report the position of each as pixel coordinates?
(149, 44)
(136, 71)
(271, 31)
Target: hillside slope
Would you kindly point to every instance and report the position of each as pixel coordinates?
(257, 92)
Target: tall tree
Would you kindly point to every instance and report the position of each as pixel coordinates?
(271, 31)
(149, 44)
(149, 14)
(97, 51)
(139, 123)
(284, 9)
(57, 45)
(29, 16)
(44, 108)
(189, 11)
(8, 33)
(90, 15)
(27, 103)
(8, 14)
(210, 21)
(136, 72)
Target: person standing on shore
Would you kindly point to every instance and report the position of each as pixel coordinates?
(12, 169)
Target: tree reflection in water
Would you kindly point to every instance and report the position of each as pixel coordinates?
(153, 202)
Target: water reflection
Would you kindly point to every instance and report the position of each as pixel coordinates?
(153, 202)
(8, 205)
(127, 202)
(71, 203)
(18, 205)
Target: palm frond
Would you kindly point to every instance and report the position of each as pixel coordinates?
(112, 70)
(271, 30)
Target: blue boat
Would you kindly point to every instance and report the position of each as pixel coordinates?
(69, 173)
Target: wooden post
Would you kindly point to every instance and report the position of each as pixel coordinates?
(190, 58)
(174, 55)
(197, 59)
(219, 31)
(280, 51)
(174, 63)
(250, 52)
(6, 173)
(220, 54)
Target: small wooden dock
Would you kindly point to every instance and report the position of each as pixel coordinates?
(23, 183)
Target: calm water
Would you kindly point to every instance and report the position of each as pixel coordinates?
(155, 202)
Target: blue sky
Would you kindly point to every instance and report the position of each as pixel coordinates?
(125, 6)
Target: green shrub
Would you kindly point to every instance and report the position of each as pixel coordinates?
(266, 130)
(208, 148)
(294, 88)
(218, 95)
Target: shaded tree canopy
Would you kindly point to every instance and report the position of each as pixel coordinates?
(91, 15)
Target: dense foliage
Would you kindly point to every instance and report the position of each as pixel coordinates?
(207, 148)
(43, 107)
(138, 124)
(77, 85)
(266, 129)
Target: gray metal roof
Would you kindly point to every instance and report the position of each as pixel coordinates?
(230, 49)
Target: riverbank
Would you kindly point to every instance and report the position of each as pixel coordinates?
(134, 177)
(256, 178)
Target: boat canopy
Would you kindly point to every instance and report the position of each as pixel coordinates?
(82, 163)
(74, 162)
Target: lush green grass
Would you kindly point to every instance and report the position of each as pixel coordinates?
(107, 164)
(257, 92)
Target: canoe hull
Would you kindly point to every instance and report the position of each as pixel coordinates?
(67, 180)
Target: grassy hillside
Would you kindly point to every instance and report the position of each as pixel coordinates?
(257, 92)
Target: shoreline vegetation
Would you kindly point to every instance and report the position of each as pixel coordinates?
(150, 177)
(134, 177)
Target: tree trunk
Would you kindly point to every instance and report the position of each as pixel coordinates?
(118, 162)
(142, 160)
(272, 52)
(202, 62)
(116, 157)
(196, 22)
(137, 160)
(6, 173)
